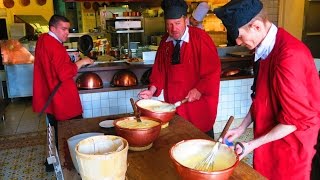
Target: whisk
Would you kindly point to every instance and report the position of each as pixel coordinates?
(207, 163)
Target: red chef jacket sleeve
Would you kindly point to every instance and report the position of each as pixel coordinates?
(291, 87)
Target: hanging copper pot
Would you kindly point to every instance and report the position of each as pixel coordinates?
(8, 3)
(124, 78)
(87, 5)
(41, 2)
(89, 80)
(25, 2)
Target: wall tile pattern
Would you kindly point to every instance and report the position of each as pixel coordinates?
(234, 100)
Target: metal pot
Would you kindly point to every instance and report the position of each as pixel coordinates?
(89, 80)
(124, 78)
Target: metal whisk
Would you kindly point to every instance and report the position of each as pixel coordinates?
(207, 164)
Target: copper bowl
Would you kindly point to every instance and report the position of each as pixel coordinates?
(139, 138)
(183, 151)
(89, 80)
(165, 117)
(124, 78)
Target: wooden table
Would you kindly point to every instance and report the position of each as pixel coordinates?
(153, 163)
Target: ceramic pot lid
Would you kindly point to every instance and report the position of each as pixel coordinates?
(85, 44)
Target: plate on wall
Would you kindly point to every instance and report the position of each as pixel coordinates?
(106, 124)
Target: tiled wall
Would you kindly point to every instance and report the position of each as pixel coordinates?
(234, 100)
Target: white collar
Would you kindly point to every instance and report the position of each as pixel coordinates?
(54, 35)
(185, 36)
(266, 46)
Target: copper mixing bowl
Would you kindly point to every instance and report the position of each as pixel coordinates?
(89, 80)
(124, 78)
(185, 150)
(165, 117)
(138, 137)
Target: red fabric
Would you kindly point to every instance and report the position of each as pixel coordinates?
(52, 64)
(200, 68)
(288, 92)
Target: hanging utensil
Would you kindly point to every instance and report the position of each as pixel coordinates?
(135, 110)
(208, 162)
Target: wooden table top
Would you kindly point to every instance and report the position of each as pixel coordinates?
(154, 163)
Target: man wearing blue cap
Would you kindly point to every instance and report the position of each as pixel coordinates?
(186, 66)
(285, 99)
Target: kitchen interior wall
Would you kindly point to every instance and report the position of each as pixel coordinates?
(234, 101)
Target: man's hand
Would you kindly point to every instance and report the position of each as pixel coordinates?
(193, 95)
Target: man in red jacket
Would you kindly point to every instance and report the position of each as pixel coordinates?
(285, 99)
(52, 66)
(186, 66)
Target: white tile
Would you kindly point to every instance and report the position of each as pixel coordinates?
(224, 105)
(230, 112)
(230, 90)
(96, 104)
(129, 93)
(113, 94)
(123, 101)
(237, 96)
(114, 110)
(105, 112)
(231, 83)
(224, 98)
(244, 109)
(104, 103)
(86, 97)
(237, 104)
(122, 109)
(237, 83)
(96, 112)
(244, 89)
(121, 94)
(244, 82)
(230, 97)
(237, 89)
(237, 111)
(87, 113)
(223, 84)
(86, 105)
(224, 91)
(95, 96)
(243, 103)
(129, 109)
(113, 102)
(244, 96)
(104, 95)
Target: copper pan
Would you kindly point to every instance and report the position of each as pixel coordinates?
(41, 2)
(8, 3)
(89, 80)
(25, 2)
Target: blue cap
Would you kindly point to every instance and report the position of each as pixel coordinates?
(238, 13)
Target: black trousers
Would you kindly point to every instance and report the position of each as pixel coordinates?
(53, 122)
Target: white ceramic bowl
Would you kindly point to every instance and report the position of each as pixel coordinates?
(73, 141)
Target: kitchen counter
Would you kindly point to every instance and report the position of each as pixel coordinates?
(153, 163)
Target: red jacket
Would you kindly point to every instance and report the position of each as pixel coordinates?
(288, 92)
(200, 68)
(52, 65)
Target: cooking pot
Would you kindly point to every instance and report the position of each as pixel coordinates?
(124, 78)
(89, 80)
(186, 154)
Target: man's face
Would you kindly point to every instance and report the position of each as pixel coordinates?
(176, 27)
(61, 30)
(249, 37)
